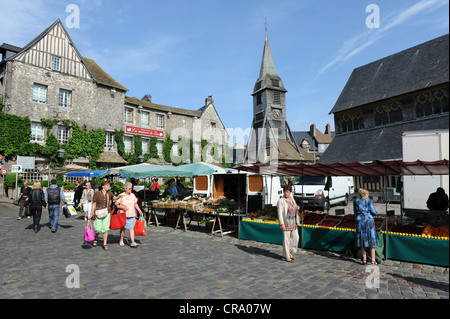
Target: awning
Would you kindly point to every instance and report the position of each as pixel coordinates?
(375, 168)
(67, 169)
(86, 173)
(205, 169)
(146, 170)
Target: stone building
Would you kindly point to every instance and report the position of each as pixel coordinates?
(145, 118)
(49, 79)
(407, 91)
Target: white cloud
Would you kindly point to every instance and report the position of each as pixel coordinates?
(365, 39)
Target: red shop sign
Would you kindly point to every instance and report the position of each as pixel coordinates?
(143, 131)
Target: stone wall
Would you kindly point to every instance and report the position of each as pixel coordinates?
(92, 105)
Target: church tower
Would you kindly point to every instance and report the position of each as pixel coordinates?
(270, 134)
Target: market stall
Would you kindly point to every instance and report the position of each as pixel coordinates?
(397, 241)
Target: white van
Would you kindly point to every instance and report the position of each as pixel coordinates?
(310, 191)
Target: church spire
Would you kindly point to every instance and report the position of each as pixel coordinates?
(267, 65)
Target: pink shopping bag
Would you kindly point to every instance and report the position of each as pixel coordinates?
(89, 235)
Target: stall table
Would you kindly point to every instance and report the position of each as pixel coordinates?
(404, 247)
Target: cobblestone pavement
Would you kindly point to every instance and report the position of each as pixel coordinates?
(174, 264)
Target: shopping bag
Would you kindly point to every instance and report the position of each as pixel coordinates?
(118, 219)
(72, 210)
(89, 235)
(139, 227)
(66, 212)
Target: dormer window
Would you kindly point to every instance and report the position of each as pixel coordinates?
(305, 144)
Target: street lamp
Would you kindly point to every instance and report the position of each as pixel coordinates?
(141, 159)
(60, 153)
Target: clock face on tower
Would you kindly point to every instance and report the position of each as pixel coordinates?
(276, 114)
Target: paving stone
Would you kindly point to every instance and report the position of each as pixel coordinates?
(174, 264)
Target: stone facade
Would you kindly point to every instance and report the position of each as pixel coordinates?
(91, 105)
(49, 79)
(203, 123)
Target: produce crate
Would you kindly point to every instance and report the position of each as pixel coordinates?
(331, 221)
(313, 218)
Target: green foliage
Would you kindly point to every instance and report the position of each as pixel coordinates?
(167, 149)
(118, 137)
(15, 132)
(10, 180)
(153, 152)
(95, 143)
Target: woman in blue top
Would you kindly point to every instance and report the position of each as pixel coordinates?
(366, 235)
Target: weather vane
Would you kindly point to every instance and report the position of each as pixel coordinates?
(265, 23)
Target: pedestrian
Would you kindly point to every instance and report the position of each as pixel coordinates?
(87, 198)
(23, 201)
(155, 185)
(78, 193)
(101, 212)
(37, 202)
(366, 236)
(289, 220)
(53, 198)
(130, 201)
(438, 200)
(171, 190)
(92, 181)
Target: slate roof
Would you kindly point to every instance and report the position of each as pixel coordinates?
(383, 143)
(416, 68)
(164, 108)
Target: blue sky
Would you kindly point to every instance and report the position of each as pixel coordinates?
(181, 51)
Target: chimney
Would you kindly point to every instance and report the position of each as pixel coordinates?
(328, 130)
(147, 97)
(209, 100)
(312, 130)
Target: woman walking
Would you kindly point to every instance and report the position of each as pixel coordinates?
(366, 235)
(23, 202)
(37, 203)
(129, 200)
(101, 212)
(87, 198)
(289, 220)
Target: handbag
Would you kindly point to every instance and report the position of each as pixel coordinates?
(118, 219)
(102, 213)
(89, 235)
(139, 227)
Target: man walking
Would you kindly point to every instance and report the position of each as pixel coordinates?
(53, 196)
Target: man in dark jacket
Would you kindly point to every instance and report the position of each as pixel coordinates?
(37, 203)
(53, 196)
